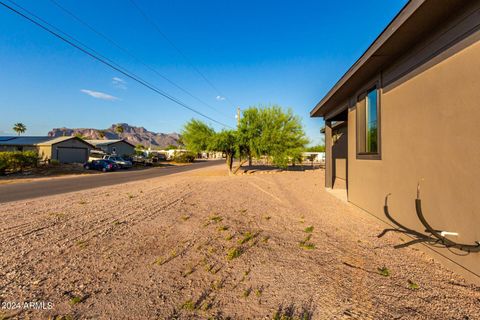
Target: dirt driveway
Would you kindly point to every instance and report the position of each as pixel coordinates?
(201, 245)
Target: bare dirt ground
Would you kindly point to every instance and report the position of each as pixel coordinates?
(201, 245)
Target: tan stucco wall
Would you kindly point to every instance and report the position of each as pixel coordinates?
(429, 133)
(45, 152)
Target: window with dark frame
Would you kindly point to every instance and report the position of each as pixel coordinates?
(368, 125)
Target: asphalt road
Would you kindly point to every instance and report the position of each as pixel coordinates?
(35, 189)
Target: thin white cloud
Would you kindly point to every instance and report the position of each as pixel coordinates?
(119, 83)
(99, 95)
(220, 98)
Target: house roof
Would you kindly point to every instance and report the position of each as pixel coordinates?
(23, 140)
(36, 141)
(99, 143)
(409, 26)
(60, 139)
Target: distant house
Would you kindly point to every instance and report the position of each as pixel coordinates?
(118, 146)
(62, 149)
(406, 112)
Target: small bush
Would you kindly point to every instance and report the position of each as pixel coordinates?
(17, 160)
(306, 244)
(189, 305)
(184, 157)
(383, 271)
(247, 236)
(412, 285)
(308, 229)
(234, 253)
(3, 165)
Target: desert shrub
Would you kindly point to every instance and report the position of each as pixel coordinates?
(3, 164)
(184, 157)
(17, 161)
(30, 158)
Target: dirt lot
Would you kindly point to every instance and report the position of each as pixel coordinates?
(202, 244)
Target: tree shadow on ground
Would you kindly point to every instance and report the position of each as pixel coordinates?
(271, 168)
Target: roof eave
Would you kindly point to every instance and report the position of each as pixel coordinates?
(405, 13)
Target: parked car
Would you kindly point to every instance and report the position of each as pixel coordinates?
(122, 163)
(101, 165)
(141, 160)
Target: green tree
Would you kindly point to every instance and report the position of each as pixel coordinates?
(225, 141)
(171, 146)
(19, 128)
(272, 132)
(317, 148)
(197, 135)
(249, 133)
(101, 133)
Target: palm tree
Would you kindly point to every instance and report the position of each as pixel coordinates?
(19, 128)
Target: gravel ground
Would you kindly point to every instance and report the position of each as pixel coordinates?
(201, 244)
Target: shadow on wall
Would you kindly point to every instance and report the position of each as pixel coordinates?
(434, 237)
(339, 156)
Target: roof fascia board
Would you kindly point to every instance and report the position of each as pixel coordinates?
(391, 28)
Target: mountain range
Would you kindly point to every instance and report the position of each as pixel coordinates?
(134, 135)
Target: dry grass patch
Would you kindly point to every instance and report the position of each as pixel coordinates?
(223, 228)
(233, 253)
(247, 236)
(383, 271)
(306, 244)
(308, 229)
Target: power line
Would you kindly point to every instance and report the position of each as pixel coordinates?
(103, 59)
(164, 36)
(114, 43)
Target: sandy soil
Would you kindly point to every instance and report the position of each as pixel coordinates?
(201, 245)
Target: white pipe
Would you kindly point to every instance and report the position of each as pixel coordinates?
(447, 233)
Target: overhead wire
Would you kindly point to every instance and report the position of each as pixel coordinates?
(180, 52)
(131, 55)
(97, 56)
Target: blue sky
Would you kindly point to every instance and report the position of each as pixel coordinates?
(255, 52)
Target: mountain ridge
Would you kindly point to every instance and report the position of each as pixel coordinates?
(133, 134)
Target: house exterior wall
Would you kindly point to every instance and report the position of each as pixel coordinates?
(45, 152)
(71, 143)
(429, 134)
(121, 148)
